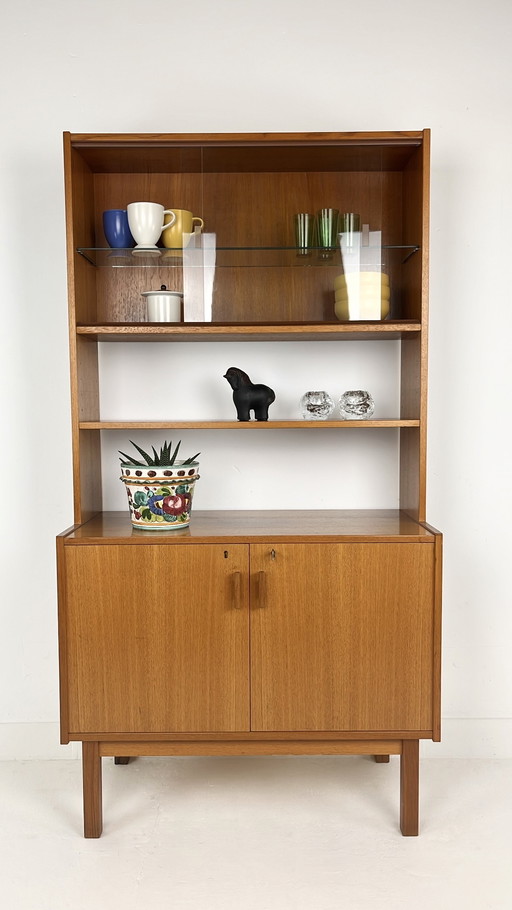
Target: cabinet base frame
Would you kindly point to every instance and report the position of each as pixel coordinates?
(407, 749)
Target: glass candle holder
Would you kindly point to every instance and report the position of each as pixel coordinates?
(316, 405)
(356, 405)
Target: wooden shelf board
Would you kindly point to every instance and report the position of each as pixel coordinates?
(388, 423)
(358, 525)
(200, 331)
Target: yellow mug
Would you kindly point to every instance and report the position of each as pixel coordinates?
(172, 237)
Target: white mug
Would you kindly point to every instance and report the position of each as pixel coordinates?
(146, 222)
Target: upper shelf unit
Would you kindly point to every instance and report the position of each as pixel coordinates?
(247, 190)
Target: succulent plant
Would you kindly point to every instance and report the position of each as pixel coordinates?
(165, 457)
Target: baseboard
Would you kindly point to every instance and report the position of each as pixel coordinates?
(34, 741)
(461, 738)
(475, 737)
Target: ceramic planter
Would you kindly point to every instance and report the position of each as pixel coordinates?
(160, 497)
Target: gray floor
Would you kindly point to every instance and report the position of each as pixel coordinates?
(256, 834)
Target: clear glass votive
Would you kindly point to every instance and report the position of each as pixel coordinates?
(316, 405)
(356, 405)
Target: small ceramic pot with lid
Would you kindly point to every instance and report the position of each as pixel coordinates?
(163, 305)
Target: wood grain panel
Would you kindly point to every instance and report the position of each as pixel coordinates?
(245, 151)
(154, 641)
(413, 443)
(364, 525)
(244, 747)
(87, 476)
(63, 641)
(436, 663)
(92, 789)
(409, 788)
(257, 210)
(250, 425)
(383, 737)
(416, 222)
(244, 210)
(80, 218)
(86, 451)
(347, 331)
(83, 354)
(410, 477)
(120, 291)
(414, 357)
(343, 637)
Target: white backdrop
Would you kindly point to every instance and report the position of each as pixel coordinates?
(271, 65)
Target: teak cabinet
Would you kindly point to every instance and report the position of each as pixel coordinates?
(279, 632)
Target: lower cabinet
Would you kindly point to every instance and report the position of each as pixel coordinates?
(265, 646)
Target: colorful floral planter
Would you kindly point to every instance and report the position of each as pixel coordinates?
(160, 497)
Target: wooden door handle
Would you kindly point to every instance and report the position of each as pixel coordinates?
(261, 590)
(236, 581)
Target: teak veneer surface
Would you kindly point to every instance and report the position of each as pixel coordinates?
(245, 152)
(332, 636)
(379, 423)
(172, 632)
(341, 636)
(299, 746)
(373, 525)
(115, 740)
(240, 209)
(208, 332)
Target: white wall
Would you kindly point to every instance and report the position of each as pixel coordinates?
(271, 65)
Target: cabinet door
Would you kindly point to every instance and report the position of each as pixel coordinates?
(342, 636)
(156, 638)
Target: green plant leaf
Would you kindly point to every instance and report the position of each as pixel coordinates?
(129, 460)
(173, 459)
(164, 458)
(147, 458)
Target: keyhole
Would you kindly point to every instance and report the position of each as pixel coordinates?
(226, 554)
(272, 554)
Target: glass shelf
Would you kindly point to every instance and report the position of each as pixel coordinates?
(228, 257)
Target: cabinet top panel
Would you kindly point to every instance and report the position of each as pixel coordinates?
(245, 152)
(374, 525)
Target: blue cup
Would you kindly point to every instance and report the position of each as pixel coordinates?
(116, 230)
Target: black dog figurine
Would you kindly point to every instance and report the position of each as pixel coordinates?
(247, 396)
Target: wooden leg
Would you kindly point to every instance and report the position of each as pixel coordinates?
(91, 771)
(409, 787)
(121, 759)
(381, 758)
